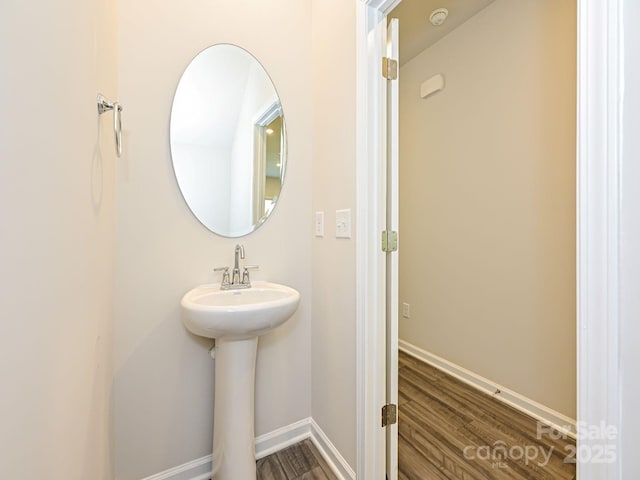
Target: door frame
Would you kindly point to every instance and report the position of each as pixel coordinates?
(600, 87)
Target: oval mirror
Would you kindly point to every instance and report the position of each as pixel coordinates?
(228, 140)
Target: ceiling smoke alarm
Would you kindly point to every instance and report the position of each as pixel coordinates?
(438, 16)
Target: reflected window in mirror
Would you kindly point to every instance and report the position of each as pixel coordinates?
(269, 161)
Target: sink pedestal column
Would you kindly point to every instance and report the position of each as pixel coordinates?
(234, 456)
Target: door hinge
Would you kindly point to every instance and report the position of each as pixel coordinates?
(389, 241)
(389, 414)
(389, 68)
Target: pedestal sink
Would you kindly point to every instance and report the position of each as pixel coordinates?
(235, 318)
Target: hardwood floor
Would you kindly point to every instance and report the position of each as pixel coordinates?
(449, 431)
(301, 461)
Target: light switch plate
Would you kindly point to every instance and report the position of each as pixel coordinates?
(343, 223)
(319, 224)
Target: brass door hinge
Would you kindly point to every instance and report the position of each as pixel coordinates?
(389, 414)
(389, 68)
(389, 241)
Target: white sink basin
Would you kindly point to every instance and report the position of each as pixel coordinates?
(238, 314)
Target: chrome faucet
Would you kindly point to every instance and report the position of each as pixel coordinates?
(235, 281)
(236, 268)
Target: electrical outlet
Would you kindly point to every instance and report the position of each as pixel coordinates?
(406, 312)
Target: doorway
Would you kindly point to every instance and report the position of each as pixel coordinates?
(487, 277)
(594, 195)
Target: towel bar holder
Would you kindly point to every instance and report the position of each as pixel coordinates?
(105, 105)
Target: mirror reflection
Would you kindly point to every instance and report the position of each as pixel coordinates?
(228, 140)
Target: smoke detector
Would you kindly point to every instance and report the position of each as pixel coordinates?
(438, 16)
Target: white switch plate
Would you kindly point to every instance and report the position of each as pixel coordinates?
(319, 224)
(343, 223)
(406, 312)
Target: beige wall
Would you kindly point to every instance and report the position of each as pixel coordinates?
(164, 375)
(487, 174)
(56, 239)
(333, 336)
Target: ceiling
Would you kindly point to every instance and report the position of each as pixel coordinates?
(417, 33)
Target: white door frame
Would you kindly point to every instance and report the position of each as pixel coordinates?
(598, 172)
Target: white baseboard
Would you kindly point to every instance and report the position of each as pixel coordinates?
(200, 469)
(532, 408)
(282, 438)
(330, 453)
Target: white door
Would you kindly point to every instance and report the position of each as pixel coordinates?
(392, 258)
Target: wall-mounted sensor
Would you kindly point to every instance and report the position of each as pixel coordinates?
(438, 16)
(432, 85)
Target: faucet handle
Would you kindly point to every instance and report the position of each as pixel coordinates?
(245, 274)
(225, 276)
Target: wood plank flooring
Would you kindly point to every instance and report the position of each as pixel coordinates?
(451, 431)
(301, 461)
